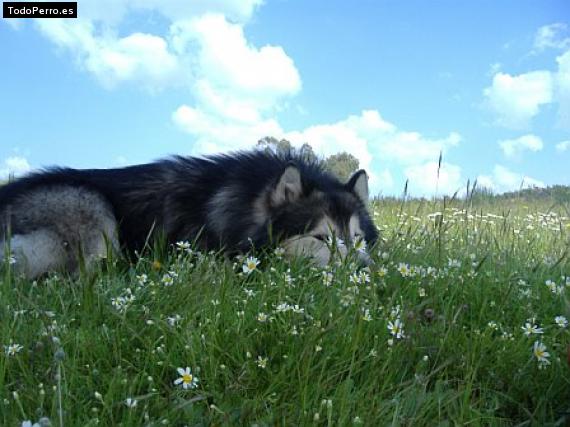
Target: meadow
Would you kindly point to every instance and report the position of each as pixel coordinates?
(463, 320)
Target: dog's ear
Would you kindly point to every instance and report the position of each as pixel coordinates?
(358, 184)
(289, 187)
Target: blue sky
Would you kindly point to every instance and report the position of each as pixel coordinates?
(392, 82)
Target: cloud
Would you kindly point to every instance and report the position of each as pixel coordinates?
(144, 59)
(503, 180)
(228, 62)
(513, 148)
(156, 61)
(14, 166)
(563, 146)
(552, 36)
(517, 99)
(216, 133)
(430, 178)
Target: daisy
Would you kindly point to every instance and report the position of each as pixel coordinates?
(131, 403)
(187, 380)
(12, 349)
(561, 321)
(404, 269)
(184, 246)
(250, 265)
(167, 279)
(262, 362)
(529, 329)
(359, 245)
(539, 351)
(279, 252)
(396, 328)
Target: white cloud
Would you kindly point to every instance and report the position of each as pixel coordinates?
(563, 146)
(503, 179)
(144, 59)
(517, 99)
(216, 133)
(231, 64)
(14, 166)
(552, 36)
(368, 136)
(513, 148)
(156, 61)
(430, 178)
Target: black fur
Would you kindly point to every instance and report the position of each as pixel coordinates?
(176, 197)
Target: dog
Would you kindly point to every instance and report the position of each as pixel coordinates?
(63, 218)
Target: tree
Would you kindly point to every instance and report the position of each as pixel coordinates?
(342, 165)
(269, 143)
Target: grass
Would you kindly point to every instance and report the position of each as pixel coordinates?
(290, 344)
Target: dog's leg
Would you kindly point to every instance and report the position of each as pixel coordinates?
(37, 252)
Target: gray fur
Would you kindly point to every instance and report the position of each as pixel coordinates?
(57, 227)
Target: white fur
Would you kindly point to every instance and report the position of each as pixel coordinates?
(36, 253)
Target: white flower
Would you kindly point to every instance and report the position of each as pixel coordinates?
(366, 316)
(551, 285)
(167, 279)
(360, 245)
(187, 379)
(364, 277)
(250, 265)
(173, 320)
(396, 328)
(404, 269)
(262, 362)
(12, 349)
(453, 263)
(561, 321)
(184, 246)
(530, 329)
(279, 252)
(262, 317)
(327, 278)
(539, 351)
(131, 403)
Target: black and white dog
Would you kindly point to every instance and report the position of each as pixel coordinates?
(52, 219)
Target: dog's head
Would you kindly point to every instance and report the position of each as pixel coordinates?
(315, 215)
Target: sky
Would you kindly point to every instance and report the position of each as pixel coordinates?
(395, 83)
